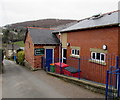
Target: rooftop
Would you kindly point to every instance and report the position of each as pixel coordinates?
(99, 20)
(43, 36)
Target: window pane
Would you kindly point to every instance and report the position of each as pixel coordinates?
(93, 55)
(98, 56)
(102, 57)
(73, 51)
(77, 52)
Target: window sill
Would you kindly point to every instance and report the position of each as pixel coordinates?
(97, 62)
(75, 56)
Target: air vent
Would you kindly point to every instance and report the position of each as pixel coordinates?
(97, 16)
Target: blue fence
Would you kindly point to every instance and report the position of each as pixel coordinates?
(91, 70)
(86, 67)
(113, 83)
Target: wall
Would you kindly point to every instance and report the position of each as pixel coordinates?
(64, 40)
(94, 38)
(29, 50)
(36, 61)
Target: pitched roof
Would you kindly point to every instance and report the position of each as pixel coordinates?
(61, 27)
(43, 36)
(95, 21)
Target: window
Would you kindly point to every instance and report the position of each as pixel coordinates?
(75, 52)
(98, 56)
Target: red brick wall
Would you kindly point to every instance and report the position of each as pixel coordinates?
(94, 38)
(35, 61)
(38, 59)
(29, 50)
(56, 52)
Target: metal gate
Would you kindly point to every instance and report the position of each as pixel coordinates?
(113, 83)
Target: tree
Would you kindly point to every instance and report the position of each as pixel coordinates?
(5, 37)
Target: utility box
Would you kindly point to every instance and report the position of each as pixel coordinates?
(71, 71)
(59, 67)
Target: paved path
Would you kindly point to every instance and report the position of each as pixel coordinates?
(20, 82)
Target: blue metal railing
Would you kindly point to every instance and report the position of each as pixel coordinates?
(113, 84)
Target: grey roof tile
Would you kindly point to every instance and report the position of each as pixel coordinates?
(43, 36)
(104, 20)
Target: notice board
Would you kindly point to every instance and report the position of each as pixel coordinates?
(39, 51)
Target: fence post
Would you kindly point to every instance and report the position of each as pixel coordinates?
(118, 83)
(117, 66)
(107, 81)
(60, 66)
(79, 68)
(117, 62)
(42, 62)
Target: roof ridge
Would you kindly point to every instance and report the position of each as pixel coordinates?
(101, 15)
(111, 12)
(41, 28)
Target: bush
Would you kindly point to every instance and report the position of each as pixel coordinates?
(20, 57)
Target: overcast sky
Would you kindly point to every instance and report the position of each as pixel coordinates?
(12, 11)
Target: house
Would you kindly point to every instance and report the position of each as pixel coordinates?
(40, 42)
(94, 39)
(11, 50)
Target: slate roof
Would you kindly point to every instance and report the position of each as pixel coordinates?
(61, 27)
(95, 21)
(43, 36)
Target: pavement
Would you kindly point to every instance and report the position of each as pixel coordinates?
(20, 82)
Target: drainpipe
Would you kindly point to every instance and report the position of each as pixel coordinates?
(60, 47)
(60, 54)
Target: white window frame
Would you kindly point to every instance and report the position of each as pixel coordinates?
(73, 52)
(104, 57)
(96, 56)
(92, 55)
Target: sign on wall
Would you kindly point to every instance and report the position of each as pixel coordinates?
(39, 51)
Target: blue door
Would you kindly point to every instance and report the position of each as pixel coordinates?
(49, 58)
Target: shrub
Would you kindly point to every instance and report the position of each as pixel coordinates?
(20, 57)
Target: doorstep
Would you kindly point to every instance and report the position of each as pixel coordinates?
(93, 86)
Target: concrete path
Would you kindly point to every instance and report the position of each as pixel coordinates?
(20, 82)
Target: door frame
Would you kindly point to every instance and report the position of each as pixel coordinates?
(52, 55)
(62, 54)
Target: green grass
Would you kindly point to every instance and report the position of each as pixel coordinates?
(19, 43)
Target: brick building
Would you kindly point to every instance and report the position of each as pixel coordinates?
(40, 42)
(93, 38)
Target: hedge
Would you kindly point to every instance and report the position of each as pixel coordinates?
(20, 57)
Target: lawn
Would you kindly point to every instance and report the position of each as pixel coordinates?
(19, 43)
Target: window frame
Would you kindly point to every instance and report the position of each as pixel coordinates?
(75, 52)
(99, 60)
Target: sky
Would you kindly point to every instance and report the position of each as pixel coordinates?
(13, 11)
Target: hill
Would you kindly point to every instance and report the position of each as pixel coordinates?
(43, 23)
(20, 28)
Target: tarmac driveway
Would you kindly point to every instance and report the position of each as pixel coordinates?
(20, 82)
